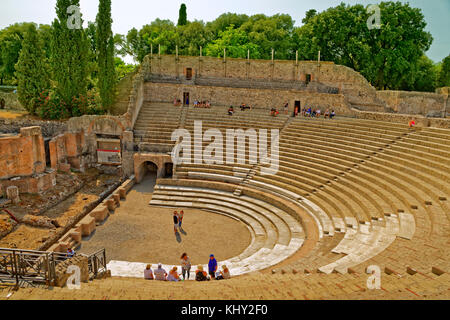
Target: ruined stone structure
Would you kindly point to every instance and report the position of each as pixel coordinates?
(23, 162)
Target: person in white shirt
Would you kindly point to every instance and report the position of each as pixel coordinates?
(185, 266)
(148, 273)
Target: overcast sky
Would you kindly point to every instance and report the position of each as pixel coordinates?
(136, 13)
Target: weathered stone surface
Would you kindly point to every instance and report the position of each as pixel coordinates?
(12, 193)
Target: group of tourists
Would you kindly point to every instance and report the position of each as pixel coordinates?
(160, 274)
(202, 104)
(317, 113)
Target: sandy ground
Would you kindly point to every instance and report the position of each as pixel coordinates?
(4, 114)
(137, 232)
(31, 238)
(25, 237)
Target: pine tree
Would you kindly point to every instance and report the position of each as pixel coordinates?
(70, 56)
(105, 54)
(33, 76)
(182, 18)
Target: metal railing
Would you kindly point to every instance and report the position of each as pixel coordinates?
(39, 267)
(97, 264)
(19, 266)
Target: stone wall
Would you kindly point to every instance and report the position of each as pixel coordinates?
(8, 100)
(421, 121)
(22, 155)
(66, 152)
(355, 87)
(416, 103)
(258, 98)
(49, 128)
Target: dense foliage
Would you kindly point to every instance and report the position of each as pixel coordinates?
(32, 70)
(105, 54)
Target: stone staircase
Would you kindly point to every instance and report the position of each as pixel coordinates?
(287, 286)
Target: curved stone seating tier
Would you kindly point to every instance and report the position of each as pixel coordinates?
(276, 234)
(403, 192)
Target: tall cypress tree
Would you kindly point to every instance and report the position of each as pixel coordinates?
(105, 54)
(32, 72)
(70, 55)
(182, 18)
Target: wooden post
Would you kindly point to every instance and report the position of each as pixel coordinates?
(296, 57)
(224, 54)
(151, 50)
(318, 59)
(201, 49)
(177, 51)
(159, 51)
(248, 55)
(273, 54)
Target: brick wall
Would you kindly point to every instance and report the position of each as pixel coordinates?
(22, 155)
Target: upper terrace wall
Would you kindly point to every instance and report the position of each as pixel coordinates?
(165, 92)
(356, 88)
(423, 103)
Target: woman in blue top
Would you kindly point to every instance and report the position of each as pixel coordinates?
(212, 266)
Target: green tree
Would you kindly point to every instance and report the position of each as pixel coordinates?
(444, 73)
(235, 42)
(70, 57)
(384, 56)
(182, 18)
(105, 54)
(10, 45)
(309, 15)
(422, 77)
(32, 72)
(224, 21)
(193, 36)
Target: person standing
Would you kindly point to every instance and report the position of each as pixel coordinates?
(212, 266)
(180, 218)
(185, 266)
(175, 221)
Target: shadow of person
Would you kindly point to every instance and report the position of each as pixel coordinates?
(183, 232)
(178, 236)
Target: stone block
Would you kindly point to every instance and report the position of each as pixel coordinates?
(100, 213)
(12, 193)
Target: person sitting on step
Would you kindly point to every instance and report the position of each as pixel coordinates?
(160, 273)
(230, 111)
(333, 114)
(327, 113)
(201, 275)
(173, 275)
(148, 273)
(224, 274)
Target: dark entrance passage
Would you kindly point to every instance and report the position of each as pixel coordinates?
(189, 74)
(297, 108)
(186, 98)
(168, 170)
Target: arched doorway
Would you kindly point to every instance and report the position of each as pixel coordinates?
(148, 173)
